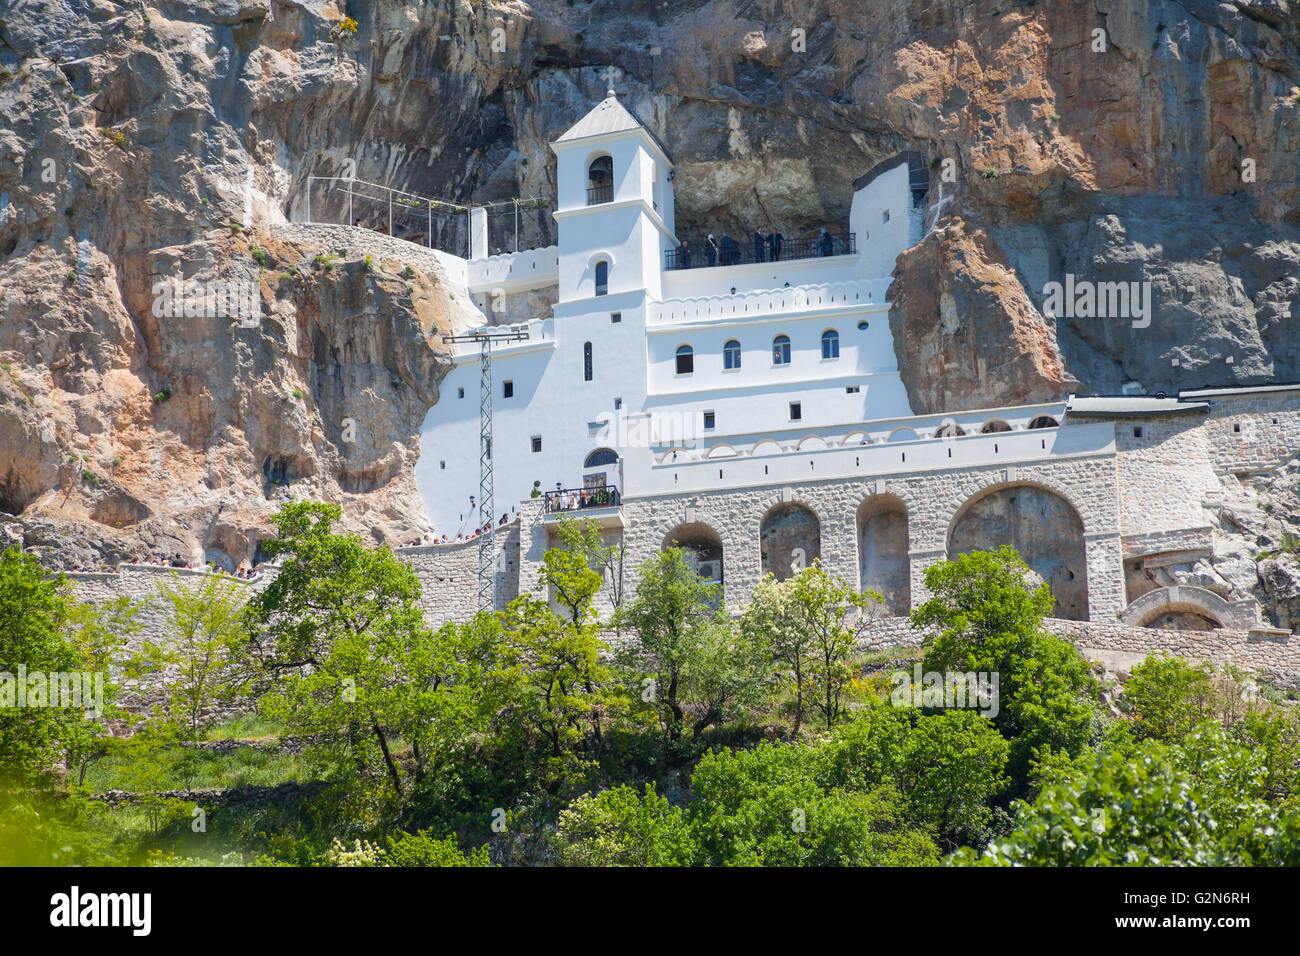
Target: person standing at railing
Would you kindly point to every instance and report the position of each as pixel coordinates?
(684, 255)
(774, 241)
(760, 244)
(825, 244)
(711, 251)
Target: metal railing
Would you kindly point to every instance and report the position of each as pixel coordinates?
(740, 252)
(436, 223)
(599, 194)
(577, 499)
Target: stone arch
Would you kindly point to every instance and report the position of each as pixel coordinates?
(703, 547)
(790, 537)
(1044, 421)
(883, 562)
(1042, 525)
(1185, 607)
(949, 430)
(767, 447)
(903, 433)
(722, 451)
(994, 425)
(812, 443)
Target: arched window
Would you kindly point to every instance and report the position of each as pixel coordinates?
(599, 457)
(731, 354)
(600, 181)
(685, 360)
(781, 350)
(602, 277)
(830, 344)
(1044, 421)
(586, 362)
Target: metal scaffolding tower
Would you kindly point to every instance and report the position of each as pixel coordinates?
(487, 524)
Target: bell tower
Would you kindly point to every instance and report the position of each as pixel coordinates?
(614, 206)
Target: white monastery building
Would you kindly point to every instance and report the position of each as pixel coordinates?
(649, 351)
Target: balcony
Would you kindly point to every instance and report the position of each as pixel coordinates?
(697, 257)
(603, 505)
(600, 194)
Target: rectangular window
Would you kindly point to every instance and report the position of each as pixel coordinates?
(442, 465)
(615, 317)
(1137, 431)
(507, 389)
(618, 403)
(460, 393)
(796, 411)
(708, 420)
(537, 443)
(853, 389)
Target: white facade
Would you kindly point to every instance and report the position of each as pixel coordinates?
(602, 371)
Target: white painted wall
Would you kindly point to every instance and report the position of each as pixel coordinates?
(633, 361)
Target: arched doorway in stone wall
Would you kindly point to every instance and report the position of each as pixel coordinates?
(1040, 524)
(883, 564)
(790, 536)
(703, 547)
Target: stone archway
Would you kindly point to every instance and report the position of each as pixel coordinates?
(703, 547)
(1186, 607)
(1042, 526)
(790, 537)
(883, 562)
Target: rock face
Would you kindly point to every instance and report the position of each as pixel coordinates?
(1138, 141)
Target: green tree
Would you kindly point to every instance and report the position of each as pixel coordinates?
(37, 624)
(690, 664)
(984, 617)
(766, 807)
(1168, 697)
(206, 626)
(621, 827)
(341, 635)
(811, 622)
(422, 849)
(604, 554)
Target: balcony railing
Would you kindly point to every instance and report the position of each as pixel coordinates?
(579, 499)
(702, 256)
(600, 194)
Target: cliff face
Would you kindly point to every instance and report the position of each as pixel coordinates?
(1160, 150)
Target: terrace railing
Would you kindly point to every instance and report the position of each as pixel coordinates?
(578, 499)
(832, 244)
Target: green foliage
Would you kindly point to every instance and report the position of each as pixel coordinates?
(810, 623)
(986, 619)
(421, 849)
(1168, 697)
(620, 827)
(765, 807)
(35, 618)
(686, 662)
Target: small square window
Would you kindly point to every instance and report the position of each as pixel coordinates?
(796, 411)
(1236, 426)
(884, 217)
(460, 393)
(507, 389)
(537, 443)
(853, 389)
(1137, 431)
(615, 317)
(442, 465)
(709, 420)
(618, 403)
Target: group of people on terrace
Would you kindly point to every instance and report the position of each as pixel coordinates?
(432, 539)
(768, 245)
(243, 572)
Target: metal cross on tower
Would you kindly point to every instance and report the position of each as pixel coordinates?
(486, 511)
